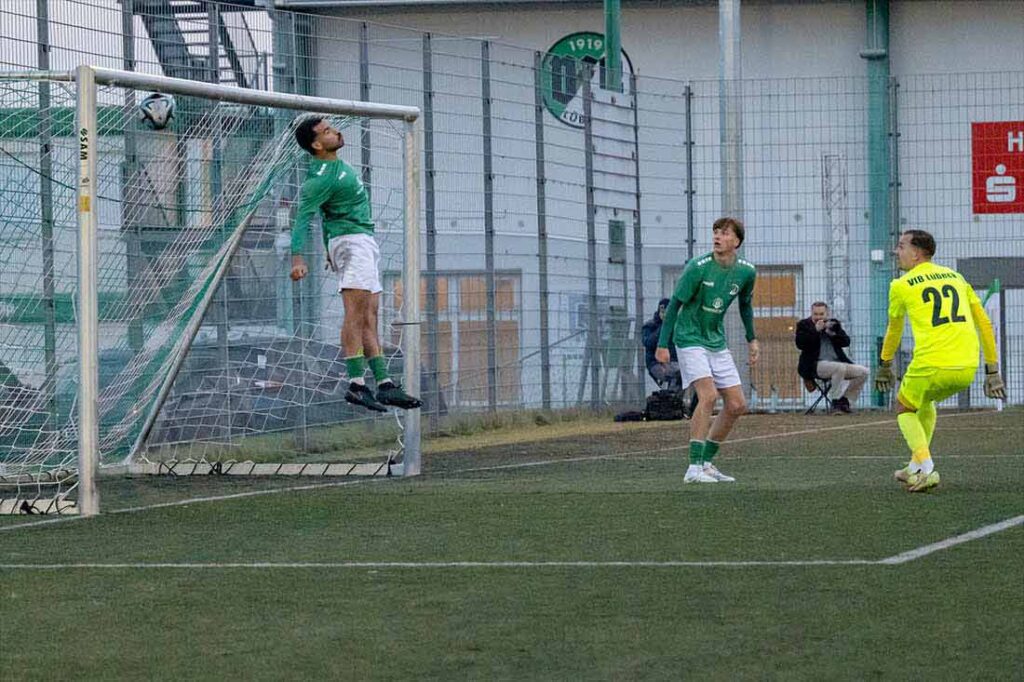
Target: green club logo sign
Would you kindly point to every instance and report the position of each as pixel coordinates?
(562, 73)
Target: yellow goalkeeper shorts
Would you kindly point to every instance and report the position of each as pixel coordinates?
(922, 385)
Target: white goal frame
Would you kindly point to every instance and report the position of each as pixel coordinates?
(86, 79)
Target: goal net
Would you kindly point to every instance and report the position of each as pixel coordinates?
(147, 319)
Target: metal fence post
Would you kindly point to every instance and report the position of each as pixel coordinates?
(492, 336)
(433, 398)
(893, 221)
(593, 343)
(638, 247)
(129, 175)
(46, 215)
(690, 241)
(364, 94)
(542, 234)
(224, 323)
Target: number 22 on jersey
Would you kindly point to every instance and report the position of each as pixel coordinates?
(938, 298)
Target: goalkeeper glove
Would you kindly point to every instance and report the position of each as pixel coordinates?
(883, 376)
(994, 387)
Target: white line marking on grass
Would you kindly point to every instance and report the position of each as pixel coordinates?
(448, 564)
(43, 522)
(825, 458)
(247, 494)
(925, 550)
(674, 448)
(196, 500)
(897, 559)
(988, 429)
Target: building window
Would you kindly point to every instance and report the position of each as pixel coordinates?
(461, 343)
(776, 294)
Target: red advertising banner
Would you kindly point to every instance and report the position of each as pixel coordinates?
(997, 155)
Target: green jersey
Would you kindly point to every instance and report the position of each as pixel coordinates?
(696, 313)
(333, 188)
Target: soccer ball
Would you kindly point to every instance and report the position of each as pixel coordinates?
(156, 111)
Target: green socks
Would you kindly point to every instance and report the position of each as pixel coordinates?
(356, 367)
(703, 451)
(379, 367)
(696, 452)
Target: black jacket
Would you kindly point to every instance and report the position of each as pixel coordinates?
(651, 332)
(808, 340)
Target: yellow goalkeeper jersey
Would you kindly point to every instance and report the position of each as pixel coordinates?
(938, 302)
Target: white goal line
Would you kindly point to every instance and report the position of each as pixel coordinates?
(894, 560)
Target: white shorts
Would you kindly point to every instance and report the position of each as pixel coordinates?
(356, 259)
(697, 362)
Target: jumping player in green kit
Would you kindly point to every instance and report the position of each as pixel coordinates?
(694, 322)
(333, 188)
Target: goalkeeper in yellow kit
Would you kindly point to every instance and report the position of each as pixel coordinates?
(944, 312)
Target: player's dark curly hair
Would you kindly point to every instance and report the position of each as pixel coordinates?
(304, 133)
(922, 240)
(735, 223)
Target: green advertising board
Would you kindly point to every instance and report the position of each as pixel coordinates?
(561, 69)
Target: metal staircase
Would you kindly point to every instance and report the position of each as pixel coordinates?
(186, 33)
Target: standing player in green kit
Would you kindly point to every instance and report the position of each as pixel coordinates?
(333, 187)
(694, 322)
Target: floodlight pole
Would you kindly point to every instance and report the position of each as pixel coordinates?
(882, 223)
(730, 92)
(730, 117)
(88, 306)
(612, 45)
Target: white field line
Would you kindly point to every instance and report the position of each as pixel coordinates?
(196, 500)
(635, 458)
(925, 550)
(674, 448)
(902, 558)
(443, 564)
(986, 429)
(518, 465)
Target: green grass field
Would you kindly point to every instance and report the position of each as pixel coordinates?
(499, 563)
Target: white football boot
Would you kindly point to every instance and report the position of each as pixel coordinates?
(695, 473)
(712, 471)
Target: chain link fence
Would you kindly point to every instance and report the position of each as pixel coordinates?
(557, 208)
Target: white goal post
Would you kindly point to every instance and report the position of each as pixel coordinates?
(86, 78)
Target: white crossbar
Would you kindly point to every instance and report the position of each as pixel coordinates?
(227, 93)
